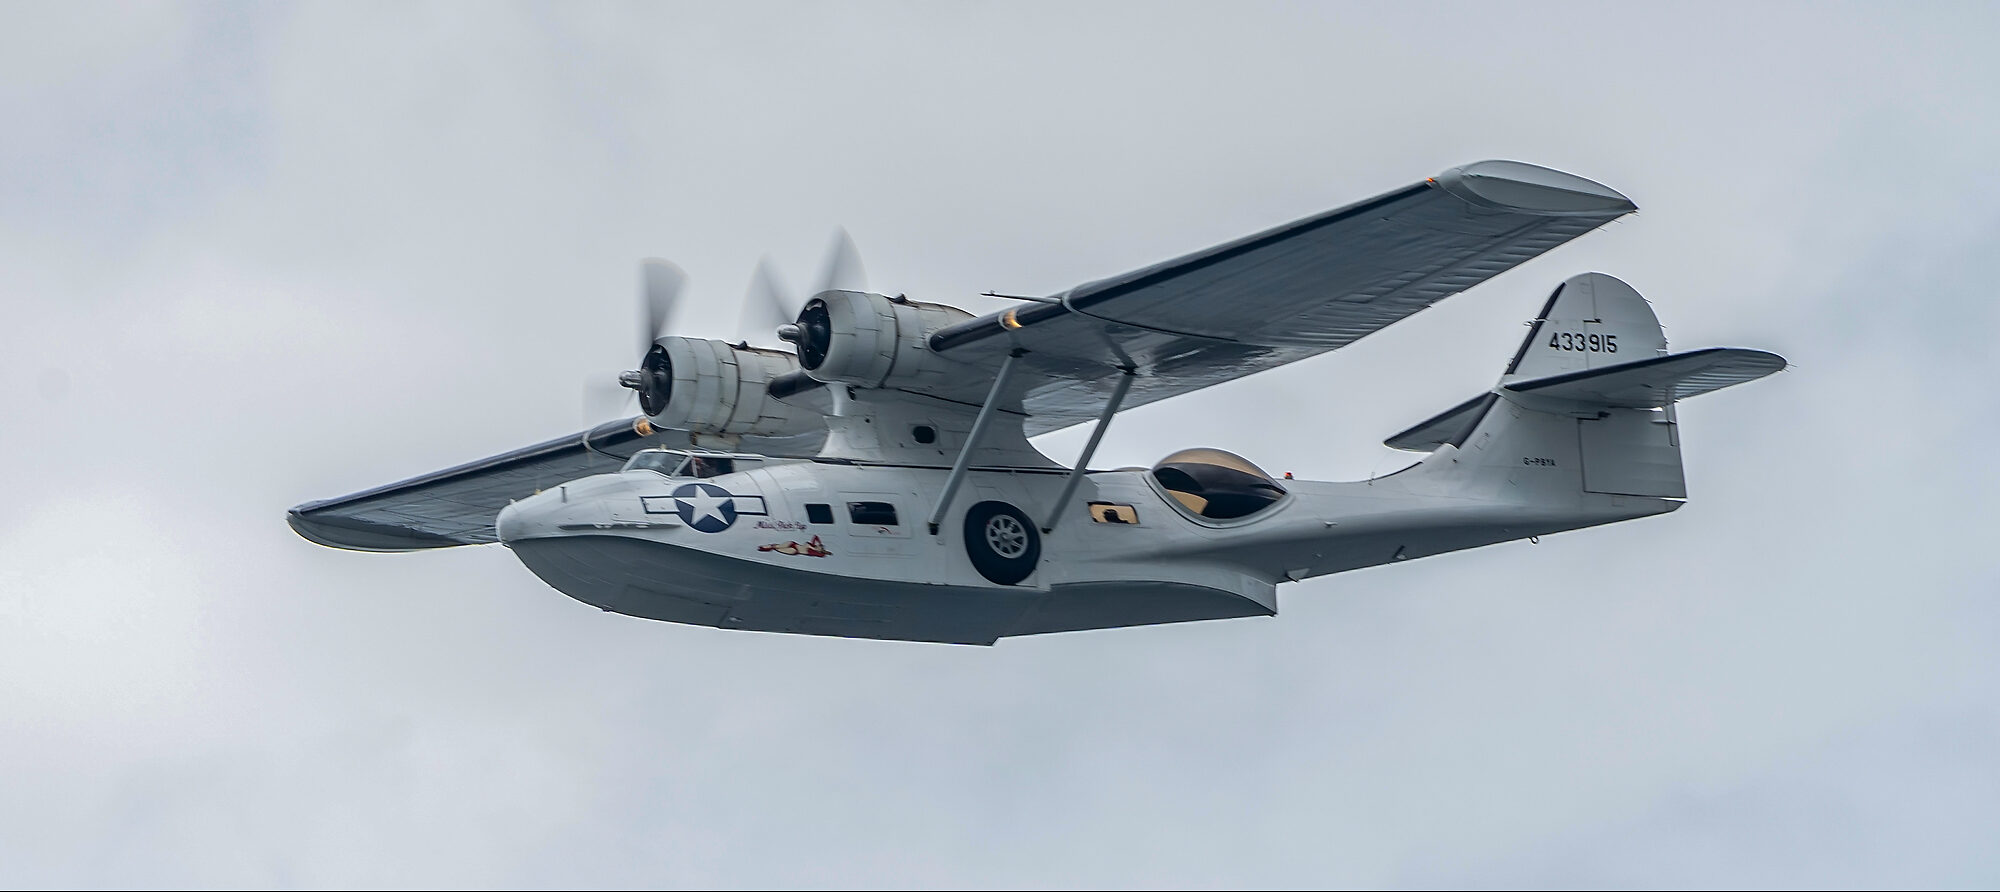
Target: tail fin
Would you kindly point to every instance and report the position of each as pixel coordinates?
(1591, 321)
(1592, 388)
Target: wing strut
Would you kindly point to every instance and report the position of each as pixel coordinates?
(1089, 449)
(979, 425)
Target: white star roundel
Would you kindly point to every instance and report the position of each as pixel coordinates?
(705, 507)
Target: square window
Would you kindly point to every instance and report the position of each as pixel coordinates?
(819, 512)
(872, 514)
(1113, 512)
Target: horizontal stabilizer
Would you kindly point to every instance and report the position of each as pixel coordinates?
(1656, 382)
(1450, 426)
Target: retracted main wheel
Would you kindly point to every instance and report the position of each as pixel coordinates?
(1002, 543)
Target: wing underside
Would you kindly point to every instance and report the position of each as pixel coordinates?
(457, 506)
(1276, 297)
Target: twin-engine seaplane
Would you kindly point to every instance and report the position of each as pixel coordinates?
(876, 480)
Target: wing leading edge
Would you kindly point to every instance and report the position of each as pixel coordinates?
(457, 506)
(1278, 296)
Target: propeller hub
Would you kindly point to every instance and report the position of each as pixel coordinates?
(632, 380)
(654, 380)
(815, 333)
(789, 332)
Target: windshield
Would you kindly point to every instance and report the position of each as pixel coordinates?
(700, 465)
(660, 461)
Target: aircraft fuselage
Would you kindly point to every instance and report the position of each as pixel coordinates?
(843, 549)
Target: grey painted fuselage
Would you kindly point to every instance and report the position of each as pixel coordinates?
(625, 543)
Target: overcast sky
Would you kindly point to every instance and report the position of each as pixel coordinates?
(252, 255)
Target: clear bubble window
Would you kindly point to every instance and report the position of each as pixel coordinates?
(1217, 485)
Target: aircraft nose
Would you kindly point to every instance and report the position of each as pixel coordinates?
(519, 521)
(574, 505)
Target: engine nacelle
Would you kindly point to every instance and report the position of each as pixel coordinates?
(872, 340)
(715, 387)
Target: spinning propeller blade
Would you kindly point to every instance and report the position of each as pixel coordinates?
(605, 399)
(767, 304)
(660, 286)
(842, 270)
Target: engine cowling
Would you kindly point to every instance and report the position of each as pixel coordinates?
(871, 340)
(715, 387)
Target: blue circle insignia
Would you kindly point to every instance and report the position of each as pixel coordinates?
(705, 507)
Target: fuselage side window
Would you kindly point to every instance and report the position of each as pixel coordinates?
(1113, 512)
(872, 514)
(819, 512)
(1217, 485)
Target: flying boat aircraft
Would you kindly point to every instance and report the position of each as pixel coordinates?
(876, 479)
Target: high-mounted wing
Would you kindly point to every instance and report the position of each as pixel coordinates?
(457, 506)
(1239, 308)
(1278, 296)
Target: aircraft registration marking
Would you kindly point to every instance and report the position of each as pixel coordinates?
(1579, 342)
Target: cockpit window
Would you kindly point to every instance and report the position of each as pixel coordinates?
(659, 461)
(1217, 485)
(699, 465)
(705, 466)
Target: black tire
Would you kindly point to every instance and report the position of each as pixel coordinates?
(1002, 542)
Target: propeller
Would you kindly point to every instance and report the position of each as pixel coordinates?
(841, 271)
(768, 306)
(660, 286)
(604, 399)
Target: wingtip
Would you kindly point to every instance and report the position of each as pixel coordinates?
(1527, 188)
(1775, 362)
(359, 536)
